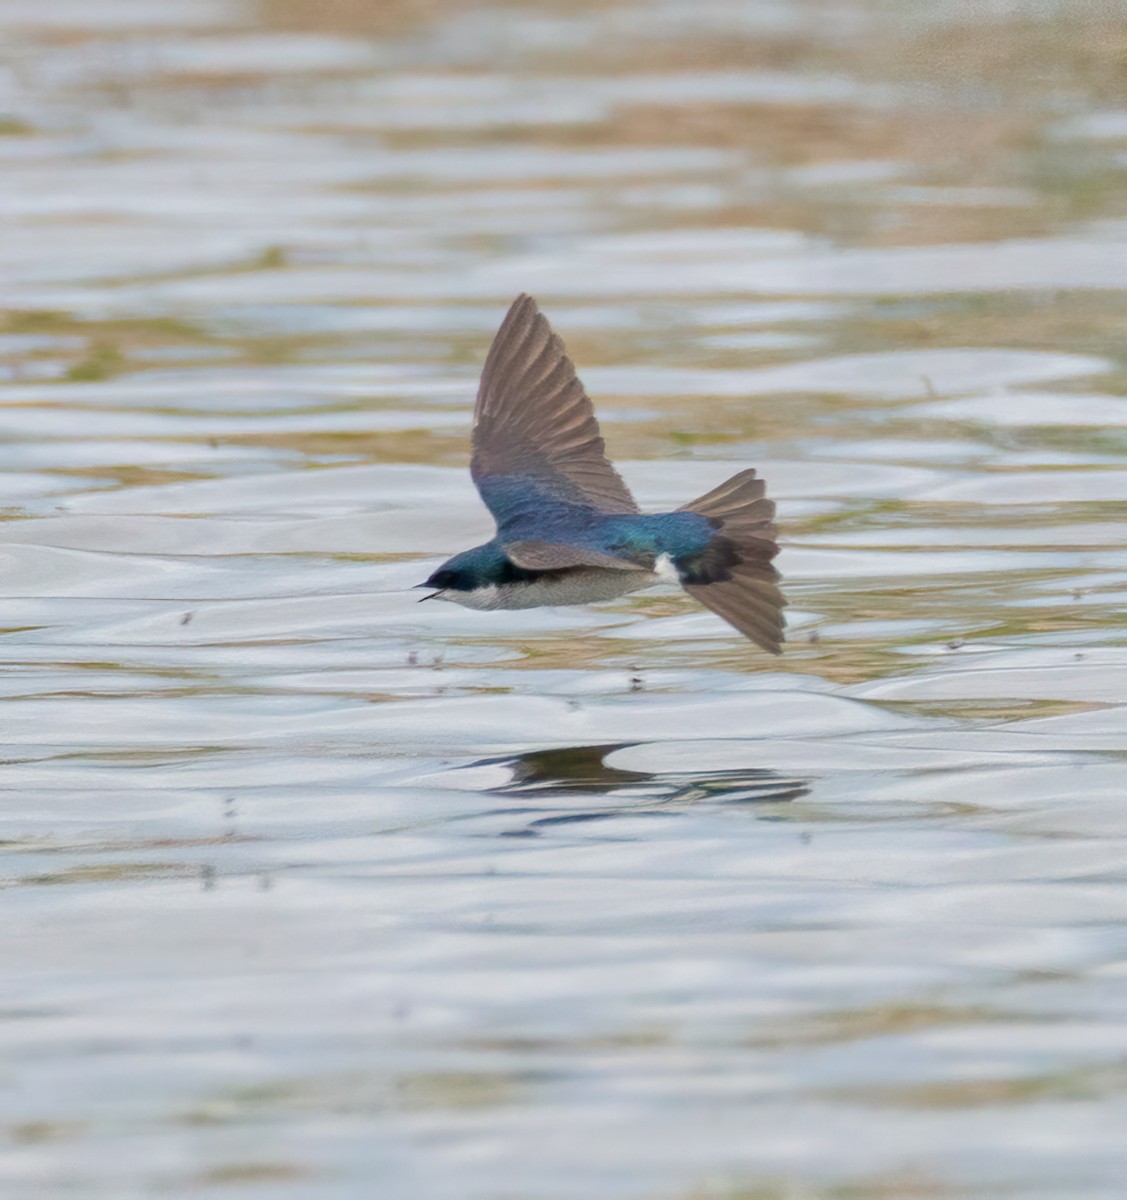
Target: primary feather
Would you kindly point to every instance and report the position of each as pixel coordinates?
(533, 422)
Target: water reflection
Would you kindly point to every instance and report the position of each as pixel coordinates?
(581, 774)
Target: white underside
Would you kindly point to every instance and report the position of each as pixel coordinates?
(579, 586)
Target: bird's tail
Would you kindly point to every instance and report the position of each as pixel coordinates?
(733, 575)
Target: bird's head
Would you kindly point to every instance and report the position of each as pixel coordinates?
(482, 567)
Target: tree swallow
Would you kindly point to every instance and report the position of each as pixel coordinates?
(568, 529)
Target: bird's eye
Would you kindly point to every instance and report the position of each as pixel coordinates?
(442, 579)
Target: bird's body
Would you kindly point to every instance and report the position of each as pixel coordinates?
(486, 578)
(571, 585)
(568, 530)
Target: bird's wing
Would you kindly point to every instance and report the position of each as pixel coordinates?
(748, 595)
(534, 424)
(536, 555)
(750, 600)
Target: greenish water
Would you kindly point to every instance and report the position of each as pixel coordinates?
(318, 894)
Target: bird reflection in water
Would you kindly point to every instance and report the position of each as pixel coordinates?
(568, 774)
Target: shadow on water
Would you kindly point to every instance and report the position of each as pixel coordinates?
(577, 772)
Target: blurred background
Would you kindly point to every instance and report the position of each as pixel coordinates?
(317, 894)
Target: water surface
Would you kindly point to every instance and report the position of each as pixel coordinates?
(315, 893)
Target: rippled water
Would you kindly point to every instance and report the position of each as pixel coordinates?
(318, 894)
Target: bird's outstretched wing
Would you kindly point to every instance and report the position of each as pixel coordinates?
(536, 443)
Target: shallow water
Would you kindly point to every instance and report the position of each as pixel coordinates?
(316, 893)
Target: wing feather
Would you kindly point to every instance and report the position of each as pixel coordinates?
(537, 555)
(750, 600)
(533, 420)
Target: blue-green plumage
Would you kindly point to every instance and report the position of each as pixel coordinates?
(529, 512)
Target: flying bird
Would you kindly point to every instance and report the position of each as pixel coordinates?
(568, 529)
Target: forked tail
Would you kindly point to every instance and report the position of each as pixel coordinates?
(733, 575)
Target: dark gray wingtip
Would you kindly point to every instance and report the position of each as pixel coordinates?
(745, 591)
